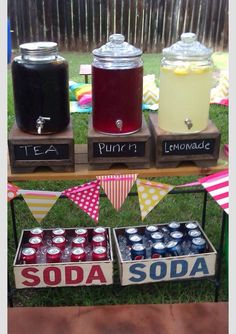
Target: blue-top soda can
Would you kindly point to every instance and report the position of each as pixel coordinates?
(130, 231)
(177, 236)
(135, 239)
(198, 245)
(138, 252)
(157, 236)
(191, 226)
(194, 234)
(158, 250)
(173, 248)
(149, 230)
(173, 226)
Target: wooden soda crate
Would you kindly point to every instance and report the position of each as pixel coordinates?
(171, 268)
(63, 274)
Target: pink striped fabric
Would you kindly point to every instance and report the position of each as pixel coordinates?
(218, 187)
(117, 187)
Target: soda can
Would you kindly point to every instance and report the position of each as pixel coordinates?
(198, 245)
(36, 232)
(59, 242)
(138, 252)
(172, 248)
(99, 253)
(100, 230)
(81, 232)
(173, 226)
(129, 231)
(78, 254)
(135, 239)
(58, 232)
(177, 236)
(194, 234)
(35, 242)
(191, 226)
(149, 230)
(157, 236)
(28, 255)
(53, 255)
(158, 250)
(99, 240)
(79, 242)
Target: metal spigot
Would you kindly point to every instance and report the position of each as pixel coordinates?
(119, 124)
(40, 123)
(189, 123)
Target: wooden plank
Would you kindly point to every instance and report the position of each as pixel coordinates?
(139, 23)
(55, 22)
(61, 16)
(48, 19)
(68, 25)
(90, 19)
(104, 13)
(97, 23)
(12, 12)
(82, 25)
(76, 24)
(118, 5)
(111, 24)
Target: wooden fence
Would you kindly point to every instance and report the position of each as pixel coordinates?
(82, 25)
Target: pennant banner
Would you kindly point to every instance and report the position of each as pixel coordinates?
(12, 191)
(86, 196)
(218, 187)
(40, 202)
(117, 187)
(150, 194)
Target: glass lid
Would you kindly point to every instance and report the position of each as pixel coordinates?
(117, 48)
(187, 49)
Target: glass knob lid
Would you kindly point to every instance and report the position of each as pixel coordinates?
(188, 48)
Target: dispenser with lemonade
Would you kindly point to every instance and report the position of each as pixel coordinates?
(185, 84)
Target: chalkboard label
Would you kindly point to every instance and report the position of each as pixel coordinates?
(119, 149)
(41, 152)
(188, 147)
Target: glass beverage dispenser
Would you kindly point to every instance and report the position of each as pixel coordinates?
(117, 87)
(40, 88)
(185, 84)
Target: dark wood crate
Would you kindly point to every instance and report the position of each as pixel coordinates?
(131, 150)
(28, 152)
(171, 149)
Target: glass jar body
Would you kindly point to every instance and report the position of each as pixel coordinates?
(40, 89)
(185, 87)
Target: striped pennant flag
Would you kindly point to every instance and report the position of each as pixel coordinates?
(117, 187)
(150, 194)
(218, 187)
(40, 202)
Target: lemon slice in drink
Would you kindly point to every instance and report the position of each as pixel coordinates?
(181, 71)
(200, 70)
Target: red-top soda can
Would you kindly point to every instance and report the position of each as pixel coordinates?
(35, 242)
(53, 255)
(79, 242)
(58, 232)
(36, 232)
(78, 254)
(99, 240)
(99, 254)
(59, 242)
(81, 232)
(100, 230)
(28, 255)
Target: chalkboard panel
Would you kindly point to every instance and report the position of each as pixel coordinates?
(41, 152)
(188, 147)
(118, 149)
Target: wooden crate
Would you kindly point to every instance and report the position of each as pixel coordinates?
(28, 152)
(171, 149)
(132, 150)
(65, 274)
(167, 268)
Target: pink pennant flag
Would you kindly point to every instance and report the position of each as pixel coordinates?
(86, 196)
(117, 187)
(12, 191)
(218, 187)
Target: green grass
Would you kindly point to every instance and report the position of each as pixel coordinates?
(65, 213)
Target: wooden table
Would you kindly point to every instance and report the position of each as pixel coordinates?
(85, 69)
(193, 318)
(83, 171)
